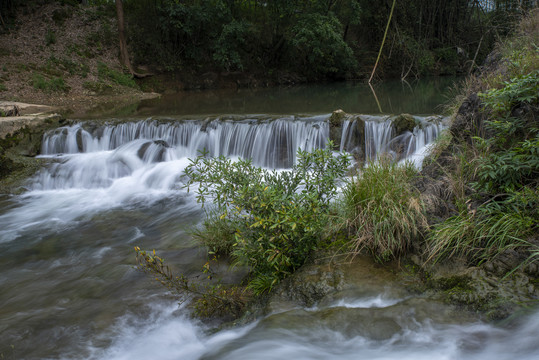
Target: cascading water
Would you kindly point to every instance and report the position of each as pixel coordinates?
(69, 290)
(268, 143)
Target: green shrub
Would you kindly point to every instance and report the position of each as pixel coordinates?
(228, 48)
(55, 84)
(119, 78)
(522, 89)
(3, 86)
(318, 44)
(383, 211)
(276, 217)
(50, 37)
(217, 234)
(511, 151)
(209, 301)
(509, 170)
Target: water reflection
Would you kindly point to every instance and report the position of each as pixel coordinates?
(416, 97)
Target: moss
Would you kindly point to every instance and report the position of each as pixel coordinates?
(17, 151)
(98, 87)
(452, 282)
(403, 123)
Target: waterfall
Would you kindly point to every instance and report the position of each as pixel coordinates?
(95, 156)
(378, 137)
(268, 143)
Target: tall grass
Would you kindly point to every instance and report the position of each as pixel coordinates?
(478, 235)
(383, 211)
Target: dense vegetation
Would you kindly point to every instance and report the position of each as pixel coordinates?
(307, 40)
(485, 169)
(494, 158)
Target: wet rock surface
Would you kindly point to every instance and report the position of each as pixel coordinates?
(404, 123)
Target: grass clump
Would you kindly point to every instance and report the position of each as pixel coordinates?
(117, 77)
(55, 84)
(65, 64)
(98, 87)
(383, 211)
(50, 37)
(483, 233)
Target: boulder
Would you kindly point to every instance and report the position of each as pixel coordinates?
(469, 119)
(403, 123)
(9, 110)
(335, 127)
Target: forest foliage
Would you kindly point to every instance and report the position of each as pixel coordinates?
(315, 39)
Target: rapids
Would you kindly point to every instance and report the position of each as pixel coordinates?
(69, 289)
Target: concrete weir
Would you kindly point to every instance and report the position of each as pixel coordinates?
(15, 116)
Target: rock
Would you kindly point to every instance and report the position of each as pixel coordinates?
(469, 119)
(335, 127)
(485, 289)
(9, 110)
(158, 155)
(205, 124)
(310, 284)
(403, 123)
(80, 144)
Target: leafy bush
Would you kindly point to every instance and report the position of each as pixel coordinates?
(383, 211)
(522, 89)
(119, 78)
(276, 216)
(209, 301)
(318, 43)
(509, 170)
(228, 49)
(55, 84)
(511, 157)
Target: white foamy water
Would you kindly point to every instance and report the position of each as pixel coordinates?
(171, 335)
(69, 290)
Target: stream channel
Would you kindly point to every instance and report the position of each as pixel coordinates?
(68, 286)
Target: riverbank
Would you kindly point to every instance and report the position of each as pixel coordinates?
(466, 227)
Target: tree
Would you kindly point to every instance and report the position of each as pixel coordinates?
(124, 54)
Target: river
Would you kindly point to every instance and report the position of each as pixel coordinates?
(69, 289)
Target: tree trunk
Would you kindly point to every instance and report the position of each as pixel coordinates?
(124, 55)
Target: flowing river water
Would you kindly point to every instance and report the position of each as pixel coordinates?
(69, 289)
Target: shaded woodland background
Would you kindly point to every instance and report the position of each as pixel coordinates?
(313, 39)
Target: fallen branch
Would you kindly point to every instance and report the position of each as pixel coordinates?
(383, 41)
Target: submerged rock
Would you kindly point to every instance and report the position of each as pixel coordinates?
(158, 151)
(490, 289)
(404, 123)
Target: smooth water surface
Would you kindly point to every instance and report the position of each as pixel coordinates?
(420, 97)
